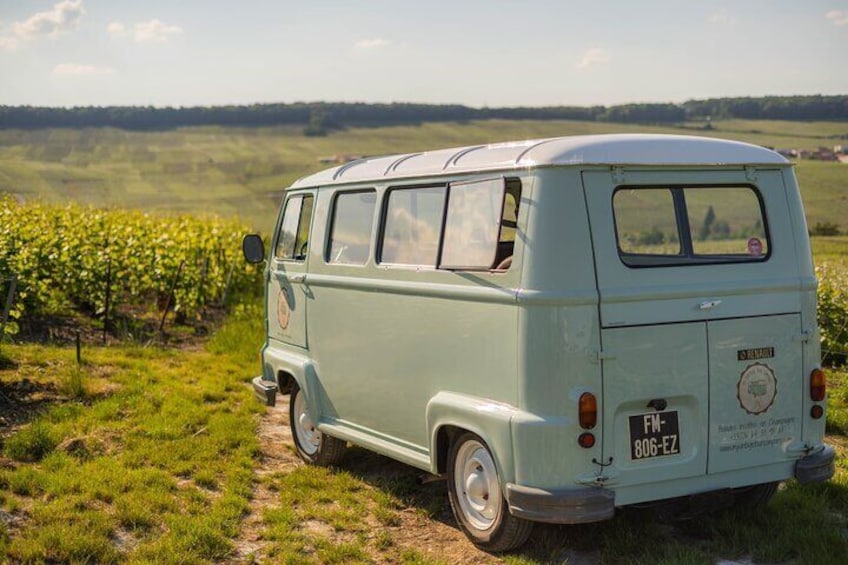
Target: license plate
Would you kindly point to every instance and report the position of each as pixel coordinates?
(655, 434)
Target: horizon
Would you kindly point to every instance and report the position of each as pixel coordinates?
(542, 53)
(473, 107)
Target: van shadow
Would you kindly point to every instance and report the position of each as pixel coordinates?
(640, 535)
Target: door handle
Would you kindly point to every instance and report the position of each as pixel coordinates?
(708, 304)
(298, 278)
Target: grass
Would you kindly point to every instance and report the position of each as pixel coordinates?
(242, 171)
(154, 461)
(139, 462)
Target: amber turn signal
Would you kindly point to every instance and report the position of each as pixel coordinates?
(586, 440)
(588, 412)
(816, 411)
(818, 385)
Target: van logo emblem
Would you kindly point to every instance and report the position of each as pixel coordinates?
(283, 309)
(754, 354)
(757, 388)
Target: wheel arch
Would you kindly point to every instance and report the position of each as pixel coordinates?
(449, 414)
(288, 368)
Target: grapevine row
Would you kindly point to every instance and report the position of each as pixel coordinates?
(64, 256)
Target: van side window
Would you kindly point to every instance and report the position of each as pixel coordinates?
(413, 226)
(472, 224)
(466, 226)
(689, 225)
(350, 232)
(293, 241)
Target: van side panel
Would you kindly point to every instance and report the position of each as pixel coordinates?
(558, 329)
(383, 352)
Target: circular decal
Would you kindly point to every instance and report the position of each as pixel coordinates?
(755, 246)
(283, 310)
(757, 388)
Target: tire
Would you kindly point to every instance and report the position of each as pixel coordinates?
(476, 498)
(756, 496)
(312, 446)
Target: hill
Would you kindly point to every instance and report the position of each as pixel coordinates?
(242, 171)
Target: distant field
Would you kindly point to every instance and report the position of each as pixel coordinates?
(242, 171)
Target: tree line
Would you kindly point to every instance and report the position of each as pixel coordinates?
(320, 117)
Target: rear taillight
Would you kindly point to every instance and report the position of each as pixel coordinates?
(588, 411)
(818, 385)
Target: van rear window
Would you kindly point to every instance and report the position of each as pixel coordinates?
(665, 226)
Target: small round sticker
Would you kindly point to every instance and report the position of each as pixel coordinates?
(757, 388)
(283, 309)
(755, 247)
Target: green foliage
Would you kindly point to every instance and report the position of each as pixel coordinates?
(833, 312)
(66, 255)
(166, 477)
(825, 228)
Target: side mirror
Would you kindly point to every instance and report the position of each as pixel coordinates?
(253, 248)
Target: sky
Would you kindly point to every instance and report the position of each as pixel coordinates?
(478, 53)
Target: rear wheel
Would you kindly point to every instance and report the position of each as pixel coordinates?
(478, 505)
(312, 446)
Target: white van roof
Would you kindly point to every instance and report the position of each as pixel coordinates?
(616, 149)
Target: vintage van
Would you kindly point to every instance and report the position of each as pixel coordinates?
(559, 327)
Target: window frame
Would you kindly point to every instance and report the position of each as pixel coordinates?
(332, 225)
(384, 210)
(687, 257)
(295, 258)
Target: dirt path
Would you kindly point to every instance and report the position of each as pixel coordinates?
(435, 538)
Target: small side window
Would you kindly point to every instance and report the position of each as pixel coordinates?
(293, 241)
(350, 232)
(413, 225)
(473, 225)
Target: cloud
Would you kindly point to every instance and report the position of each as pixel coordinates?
(116, 28)
(721, 18)
(77, 69)
(156, 30)
(64, 16)
(838, 17)
(372, 43)
(592, 57)
(8, 43)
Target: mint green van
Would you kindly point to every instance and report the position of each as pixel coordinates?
(558, 327)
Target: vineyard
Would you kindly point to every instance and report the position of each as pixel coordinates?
(103, 263)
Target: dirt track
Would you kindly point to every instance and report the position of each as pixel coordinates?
(436, 538)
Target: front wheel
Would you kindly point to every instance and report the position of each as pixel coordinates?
(312, 446)
(476, 498)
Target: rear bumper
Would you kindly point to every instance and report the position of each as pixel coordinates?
(817, 466)
(566, 506)
(266, 391)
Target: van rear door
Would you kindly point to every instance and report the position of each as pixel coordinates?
(699, 306)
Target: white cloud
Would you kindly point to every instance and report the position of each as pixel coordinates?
(592, 57)
(8, 43)
(116, 28)
(838, 17)
(721, 18)
(77, 69)
(372, 43)
(156, 30)
(64, 16)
